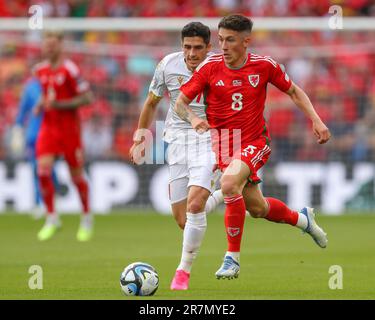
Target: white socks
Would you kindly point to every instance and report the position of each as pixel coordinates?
(214, 200)
(87, 220)
(234, 255)
(53, 219)
(302, 221)
(194, 231)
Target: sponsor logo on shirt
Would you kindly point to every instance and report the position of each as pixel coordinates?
(59, 79)
(237, 83)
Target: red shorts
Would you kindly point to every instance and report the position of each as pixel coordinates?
(50, 142)
(255, 154)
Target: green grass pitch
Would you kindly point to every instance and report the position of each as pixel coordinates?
(277, 261)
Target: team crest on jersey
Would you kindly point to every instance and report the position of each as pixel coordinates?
(180, 79)
(254, 79)
(60, 78)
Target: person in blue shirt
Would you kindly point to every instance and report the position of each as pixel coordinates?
(25, 133)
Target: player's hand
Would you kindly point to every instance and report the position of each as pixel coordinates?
(321, 132)
(136, 152)
(49, 104)
(200, 125)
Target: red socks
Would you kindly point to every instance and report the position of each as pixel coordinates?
(83, 190)
(235, 213)
(47, 188)
(279, 212)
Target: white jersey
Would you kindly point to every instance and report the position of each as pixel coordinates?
(170, 74)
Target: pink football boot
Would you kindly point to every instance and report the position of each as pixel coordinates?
(180, 280)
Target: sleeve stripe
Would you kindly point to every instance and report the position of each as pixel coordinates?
(72, 68)
(264, 59)
(207, 61)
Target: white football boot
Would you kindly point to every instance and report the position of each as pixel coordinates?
(316, 232)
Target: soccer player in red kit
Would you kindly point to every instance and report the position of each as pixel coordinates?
(64, 91)
(235, 85)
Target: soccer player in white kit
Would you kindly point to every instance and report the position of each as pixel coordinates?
(190, 156)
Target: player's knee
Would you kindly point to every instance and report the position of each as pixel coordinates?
(229, 187)
(258, 211)
(78, 179)
(44, 170)
(196, 205)
(76, 174)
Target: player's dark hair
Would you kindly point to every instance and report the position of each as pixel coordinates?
(236, 22)
(196, 29)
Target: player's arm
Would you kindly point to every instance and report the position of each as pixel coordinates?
(197, 84)
(303, 102)
(157, 90)
(148, 111)
(184, 111)
(145, 119)
(82, 99)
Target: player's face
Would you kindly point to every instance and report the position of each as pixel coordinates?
(234, 45)
(195, 51)
(52, 47)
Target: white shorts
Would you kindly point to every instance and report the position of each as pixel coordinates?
(189, 165)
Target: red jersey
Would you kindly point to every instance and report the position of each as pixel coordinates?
(236, 98)
(61, 83)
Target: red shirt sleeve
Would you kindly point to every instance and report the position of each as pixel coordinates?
(197, 82)
(76, 82)
(279, 78)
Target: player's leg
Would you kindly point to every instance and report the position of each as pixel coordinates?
(74, 157)
(200, 162)
(216, 197)
(45, 164)
(275, 210)
(179, 212)
(178, 182)
(232, 183)
(194, 231)
(178, 192)
(270, 208)
(86, 227)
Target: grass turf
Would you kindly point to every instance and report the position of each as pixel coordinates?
(277, 262)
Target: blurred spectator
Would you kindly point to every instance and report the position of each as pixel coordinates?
(186, 8)
(97, 138)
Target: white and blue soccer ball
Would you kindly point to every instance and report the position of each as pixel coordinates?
(139, 279)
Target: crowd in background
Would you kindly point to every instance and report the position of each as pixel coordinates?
(336, 69)
(185, 8)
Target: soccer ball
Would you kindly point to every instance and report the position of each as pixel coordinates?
(139, 279)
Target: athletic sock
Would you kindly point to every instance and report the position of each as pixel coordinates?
(47, 190)
(234, 255)
(214, 200)
(194, 231)
(53, 219)
(83, 191)
(235, 212)
(87, 221)
(279, 212)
